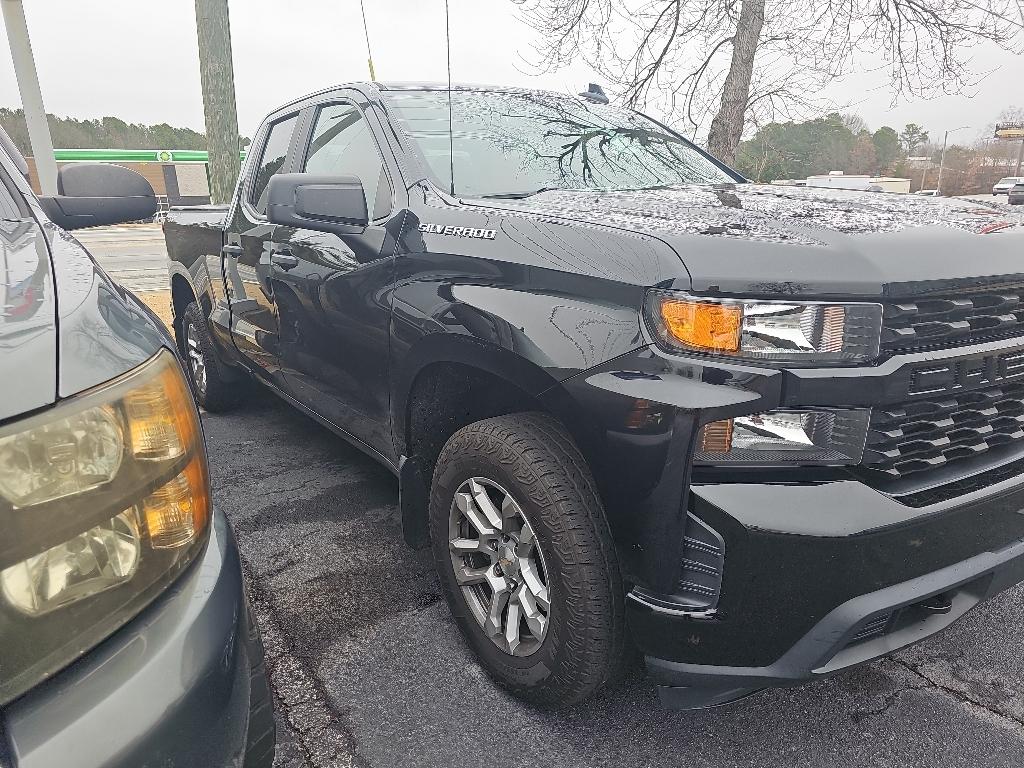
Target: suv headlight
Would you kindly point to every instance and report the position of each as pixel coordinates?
(827, 437)
(793, 332)
(104, 499)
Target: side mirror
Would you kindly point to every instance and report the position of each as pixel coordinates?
(91, 195)
(322, 203)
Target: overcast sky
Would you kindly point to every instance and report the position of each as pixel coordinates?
(137, 59)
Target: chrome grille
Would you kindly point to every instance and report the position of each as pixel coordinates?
(945, 321)
(925, 434)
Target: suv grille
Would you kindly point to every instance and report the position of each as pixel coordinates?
(924, 434)
(946, 321)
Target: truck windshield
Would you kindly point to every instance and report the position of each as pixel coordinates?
(514, 144)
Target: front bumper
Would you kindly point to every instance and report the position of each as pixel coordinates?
(821, 568)
(858, 630)
(171, 688)
(820, 576)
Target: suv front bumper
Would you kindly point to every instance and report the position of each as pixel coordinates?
(182, 684)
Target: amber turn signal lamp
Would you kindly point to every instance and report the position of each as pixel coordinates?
(703, 325)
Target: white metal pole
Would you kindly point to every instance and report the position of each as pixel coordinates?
(31, 96)
(942, 163)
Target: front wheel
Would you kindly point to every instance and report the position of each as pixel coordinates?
(526, 559)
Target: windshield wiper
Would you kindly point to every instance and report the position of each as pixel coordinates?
(521, 195)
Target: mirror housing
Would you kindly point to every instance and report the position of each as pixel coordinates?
(322, 203)
(94, 194)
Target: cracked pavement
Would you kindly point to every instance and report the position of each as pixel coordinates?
(369, 670)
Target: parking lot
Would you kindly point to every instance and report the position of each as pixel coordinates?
(369, 670)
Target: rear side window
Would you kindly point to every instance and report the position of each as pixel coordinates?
(342, 145)
(275, 152)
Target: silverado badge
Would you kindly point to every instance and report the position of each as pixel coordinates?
(437, 229)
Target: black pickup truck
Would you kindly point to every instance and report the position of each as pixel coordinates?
(761, 433)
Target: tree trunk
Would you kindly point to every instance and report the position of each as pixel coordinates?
(727, 126)
(218, 80)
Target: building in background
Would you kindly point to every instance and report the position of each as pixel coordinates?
(840, 180)
(179, 177)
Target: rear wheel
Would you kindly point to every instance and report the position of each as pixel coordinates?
(212, 389)
(526, 559)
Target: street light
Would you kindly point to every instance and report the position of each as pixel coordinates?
(942, 159)
(31, 96)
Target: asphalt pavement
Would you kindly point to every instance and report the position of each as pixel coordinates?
(369, 670)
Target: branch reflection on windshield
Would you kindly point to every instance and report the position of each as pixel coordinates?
(517, 144)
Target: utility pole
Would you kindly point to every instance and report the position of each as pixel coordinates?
(218, 80)
(31, 96)
(1020, 157)
(942, 158)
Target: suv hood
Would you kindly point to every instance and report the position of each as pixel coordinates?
(764, 239)
(28, 323)
(58, 304)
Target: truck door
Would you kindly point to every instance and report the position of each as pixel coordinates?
(334, 293)
(248, 254)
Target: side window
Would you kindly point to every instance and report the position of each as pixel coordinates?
(275, 152)
(342, 145)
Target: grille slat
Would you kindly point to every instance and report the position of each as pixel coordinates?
(703, 559)
(925, 434)
(951, 320)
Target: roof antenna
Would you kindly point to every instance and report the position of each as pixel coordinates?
(451, 140)
(594, 93)
(366, 31)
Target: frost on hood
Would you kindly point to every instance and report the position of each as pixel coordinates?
(766, 213)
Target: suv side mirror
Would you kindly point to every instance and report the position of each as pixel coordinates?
(322, 203)
(94, 194)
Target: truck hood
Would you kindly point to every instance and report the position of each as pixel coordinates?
(763, 239)
(28, 320)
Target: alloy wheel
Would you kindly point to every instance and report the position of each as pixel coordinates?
(499, 566)
(196, 361)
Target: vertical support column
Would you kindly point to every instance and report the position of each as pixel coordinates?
(218, 79)
(31, 95)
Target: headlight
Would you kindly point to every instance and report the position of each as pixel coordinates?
(804, 332)
(829, 437)
(104, 499)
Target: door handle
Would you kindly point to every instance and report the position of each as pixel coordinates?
(231, 250)
(284, 260)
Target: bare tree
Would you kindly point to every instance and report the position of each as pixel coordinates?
(723, 64)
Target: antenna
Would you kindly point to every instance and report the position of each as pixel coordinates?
(366, 31)
(451, 140)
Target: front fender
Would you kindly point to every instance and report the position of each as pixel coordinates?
(506, 323)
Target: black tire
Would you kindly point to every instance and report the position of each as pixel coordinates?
(216, 391)
(535, 460)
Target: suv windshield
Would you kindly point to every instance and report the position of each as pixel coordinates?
(513, 144)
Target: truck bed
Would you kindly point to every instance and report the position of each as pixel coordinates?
(194, 231)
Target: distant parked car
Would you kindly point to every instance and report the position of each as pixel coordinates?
(1016, 194)
(927, 192)
(1004, 185)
